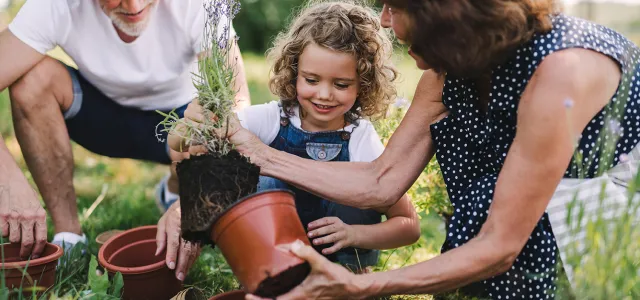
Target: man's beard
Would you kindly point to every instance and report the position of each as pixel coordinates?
(131, 29)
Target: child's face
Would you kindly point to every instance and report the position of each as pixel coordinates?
(327, 87)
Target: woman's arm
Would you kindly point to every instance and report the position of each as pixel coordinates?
(364, 185)
(535, 164)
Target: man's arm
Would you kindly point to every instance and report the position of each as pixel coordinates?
(16, 58)
(19, 204)
(243, 98)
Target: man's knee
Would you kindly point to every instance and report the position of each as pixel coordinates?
(47, 83)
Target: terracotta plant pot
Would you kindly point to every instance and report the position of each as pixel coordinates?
(249, 235)
(233, 295)
(105, 236)
(41, 272)
(145, 275)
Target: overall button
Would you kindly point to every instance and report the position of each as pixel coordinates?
(323, 151)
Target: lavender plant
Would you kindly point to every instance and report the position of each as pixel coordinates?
(214, 82)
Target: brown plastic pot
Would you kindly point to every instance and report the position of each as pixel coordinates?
(41, 272)
(250, 235)
(105, 236)
(145, 275)
(233, 295)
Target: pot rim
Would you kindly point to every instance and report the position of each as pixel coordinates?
(244, 199)
(229, 293)
(34, 262)
(125, 270)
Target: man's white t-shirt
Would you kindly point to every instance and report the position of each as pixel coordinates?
(264, 121)
(152, 72)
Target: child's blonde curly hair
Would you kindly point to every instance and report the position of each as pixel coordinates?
(343, 27)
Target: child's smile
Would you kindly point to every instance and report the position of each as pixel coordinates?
(327, 87)
(323, 108)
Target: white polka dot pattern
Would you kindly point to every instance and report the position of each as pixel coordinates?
(472, 146)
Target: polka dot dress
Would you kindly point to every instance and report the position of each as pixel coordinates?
(472, 146)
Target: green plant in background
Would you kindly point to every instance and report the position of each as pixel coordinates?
(604, 253)
(605, 262)
(214, 83)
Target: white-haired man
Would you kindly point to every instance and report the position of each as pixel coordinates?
(133, 57)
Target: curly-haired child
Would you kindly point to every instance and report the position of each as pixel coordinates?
(332, 70)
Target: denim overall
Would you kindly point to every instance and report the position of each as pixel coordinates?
(323, 146)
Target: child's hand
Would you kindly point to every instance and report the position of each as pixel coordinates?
(332, 230)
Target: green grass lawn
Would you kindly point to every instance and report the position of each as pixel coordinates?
(123, 191)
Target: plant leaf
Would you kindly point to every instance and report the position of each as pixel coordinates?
(117, 285)
(99, 284)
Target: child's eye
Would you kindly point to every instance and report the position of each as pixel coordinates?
(342, 86)
(311, 81)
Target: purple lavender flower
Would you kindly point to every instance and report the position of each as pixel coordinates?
(216, 11)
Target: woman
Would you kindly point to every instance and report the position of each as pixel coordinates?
(510, 87)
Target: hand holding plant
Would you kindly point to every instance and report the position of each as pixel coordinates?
(242, 139)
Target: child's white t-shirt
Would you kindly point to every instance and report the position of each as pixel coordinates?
(152, 72)
(264, 121)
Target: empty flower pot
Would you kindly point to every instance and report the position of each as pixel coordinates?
(105, 236)
(145, 275)
(233, 295)
(250, 235)
(40, 272)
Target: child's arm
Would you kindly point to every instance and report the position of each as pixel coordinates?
(400, 229)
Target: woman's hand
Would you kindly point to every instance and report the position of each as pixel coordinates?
(332, 230)
(168, 237)
(327, 280)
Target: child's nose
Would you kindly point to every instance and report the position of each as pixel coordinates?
(324, 92)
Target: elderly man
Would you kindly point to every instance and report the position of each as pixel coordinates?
(134, 57)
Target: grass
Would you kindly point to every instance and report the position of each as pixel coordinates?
(127, 189)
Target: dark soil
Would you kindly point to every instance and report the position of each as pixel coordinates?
(283, 282)
(209, 184)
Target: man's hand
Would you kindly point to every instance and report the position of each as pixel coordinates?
(168, 237)
(23, 219)
(332, 230)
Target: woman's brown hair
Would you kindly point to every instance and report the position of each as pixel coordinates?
(468, 37)
(342, 27)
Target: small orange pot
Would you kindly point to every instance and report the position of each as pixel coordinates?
(233, 295)
(249, 235)
(41, 272)
(145, 275)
